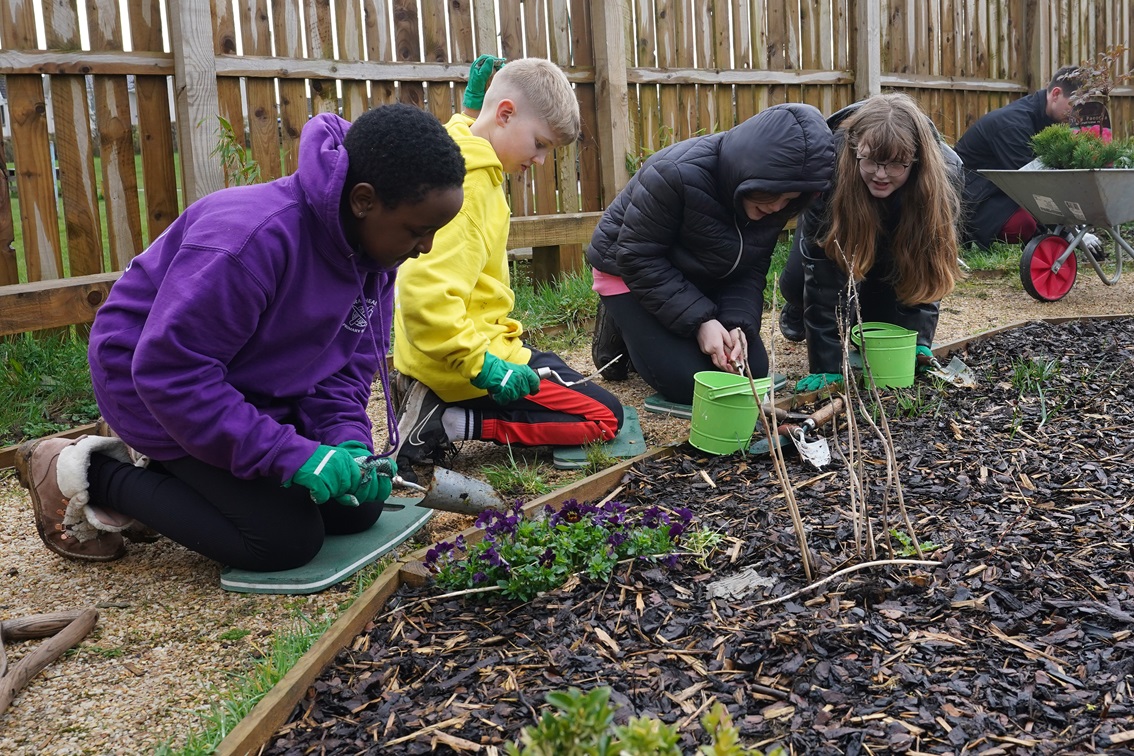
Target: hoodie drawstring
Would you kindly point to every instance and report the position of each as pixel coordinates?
(394, 439)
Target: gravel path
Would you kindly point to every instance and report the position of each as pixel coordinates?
(156, 657)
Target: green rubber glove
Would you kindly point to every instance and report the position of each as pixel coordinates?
(479, 73)
(506, 381)
(328, 474)
(924, 358)
(816, 381)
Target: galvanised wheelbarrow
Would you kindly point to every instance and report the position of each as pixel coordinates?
(1070, 204)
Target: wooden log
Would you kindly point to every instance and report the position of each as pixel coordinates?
(15, 679)
(37, 625)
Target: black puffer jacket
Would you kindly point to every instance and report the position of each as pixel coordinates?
(678, 236)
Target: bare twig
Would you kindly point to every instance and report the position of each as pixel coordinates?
(845, 571)
(776, 451)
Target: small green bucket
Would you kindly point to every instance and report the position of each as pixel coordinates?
(724, 411)
(889, 351)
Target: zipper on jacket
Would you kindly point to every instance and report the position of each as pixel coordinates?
(739, 252)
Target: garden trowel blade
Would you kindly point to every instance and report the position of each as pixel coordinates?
(956, 373)
(817, 452)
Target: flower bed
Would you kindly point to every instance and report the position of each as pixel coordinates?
(1020, 638)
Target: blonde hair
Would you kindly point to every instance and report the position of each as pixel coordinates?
(544, 87)
(924, 245)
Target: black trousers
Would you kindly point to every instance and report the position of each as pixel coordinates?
(665, 360)
(248, 524)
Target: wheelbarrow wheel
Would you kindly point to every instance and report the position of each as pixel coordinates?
(1036, 265)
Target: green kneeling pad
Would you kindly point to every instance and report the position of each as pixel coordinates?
(658, 404)
(340, 557)
(628, 443)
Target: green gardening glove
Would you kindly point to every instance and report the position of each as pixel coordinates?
(359, 451)
(924, 358)
(816, 381)
(479, 73)
(506, 382)
(328, 474)
(356, 449)
(377, 478)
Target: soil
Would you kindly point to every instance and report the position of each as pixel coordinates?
(1015, 638)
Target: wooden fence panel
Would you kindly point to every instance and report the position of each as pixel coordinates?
(116, 141)
(155, 133)
(348, 26)
(644, 53)
(686, 93)
(320, 45)
(380, 47)
(229, 97)
(667, 41)
(590, 175)
(293, 92)
(74, 151)
(439, 95)
(742, 41)
(538, 182)
(263, 112)
(35, 174)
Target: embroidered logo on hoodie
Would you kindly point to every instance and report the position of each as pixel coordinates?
(359, 315)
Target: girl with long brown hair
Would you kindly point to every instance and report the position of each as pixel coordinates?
(889, 222)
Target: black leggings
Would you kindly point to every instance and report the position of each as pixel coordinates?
(665, 360)
(249, 524)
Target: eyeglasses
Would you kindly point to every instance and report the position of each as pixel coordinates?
(893, 170)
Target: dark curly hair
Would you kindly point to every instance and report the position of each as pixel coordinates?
(403, 152)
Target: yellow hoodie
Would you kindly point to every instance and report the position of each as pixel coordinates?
(453, 303)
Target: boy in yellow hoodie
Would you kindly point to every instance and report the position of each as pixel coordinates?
(473, 375)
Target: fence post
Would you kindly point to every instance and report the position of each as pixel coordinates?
(608, 18)
(867, 61)
(195, 91)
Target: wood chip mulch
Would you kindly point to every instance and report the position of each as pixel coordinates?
(1018, 641)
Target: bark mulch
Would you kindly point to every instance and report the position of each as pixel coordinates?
(1018, 641)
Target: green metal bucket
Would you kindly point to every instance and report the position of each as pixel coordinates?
(724, 411)
(889, 353)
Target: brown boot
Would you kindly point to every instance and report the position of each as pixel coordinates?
(61, 520)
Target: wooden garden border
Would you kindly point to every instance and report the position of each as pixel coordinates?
(265, 719)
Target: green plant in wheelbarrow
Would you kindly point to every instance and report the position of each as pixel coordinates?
(1060, 147)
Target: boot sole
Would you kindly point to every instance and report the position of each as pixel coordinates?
(23, 474)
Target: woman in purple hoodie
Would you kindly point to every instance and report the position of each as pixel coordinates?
(234, 357)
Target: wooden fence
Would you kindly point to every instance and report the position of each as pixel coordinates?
(100, 170)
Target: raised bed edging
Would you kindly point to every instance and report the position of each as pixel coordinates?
(254, 731)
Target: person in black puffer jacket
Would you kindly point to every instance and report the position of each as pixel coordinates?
(681, 255)
(892, 217)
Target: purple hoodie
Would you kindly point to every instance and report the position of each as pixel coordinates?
(238, 336)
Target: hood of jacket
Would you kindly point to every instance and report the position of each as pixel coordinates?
(477, 151)
(320, 178)
(786, 148)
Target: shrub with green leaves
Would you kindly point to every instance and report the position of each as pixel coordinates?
(582, 724)
(527, 556)
(1061, 147)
